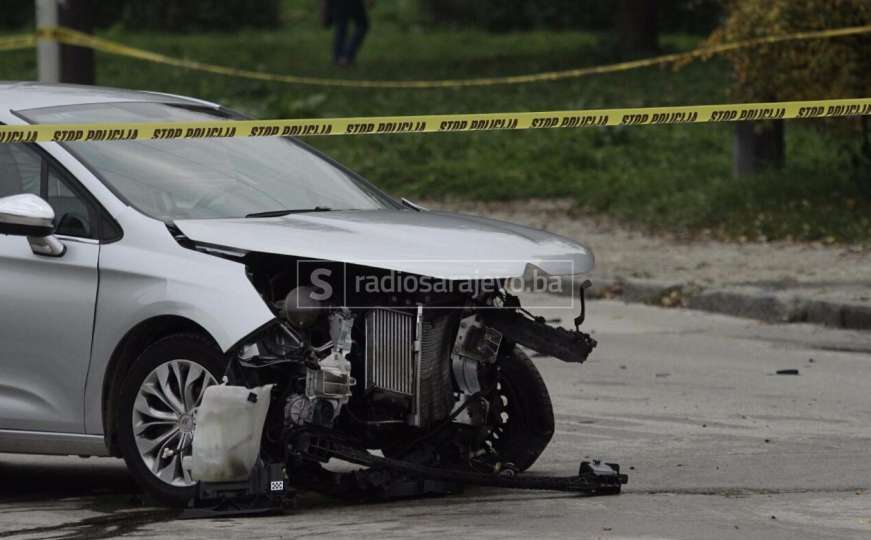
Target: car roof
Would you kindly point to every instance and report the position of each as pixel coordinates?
(19, 96)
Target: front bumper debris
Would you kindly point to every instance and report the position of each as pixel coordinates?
(567, 345)
(269, 492)
(593, 478)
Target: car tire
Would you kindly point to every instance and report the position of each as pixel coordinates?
(523, 419)
(155, 419)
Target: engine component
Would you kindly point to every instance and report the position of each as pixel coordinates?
(409, 354)
(474, 412)
(466, 374)
(300, 411)
(301, 308)
(341, 326)
(277, 344)
(332, 380)
(466, 377)
(475, 344)
(297, 411)
(476, 341)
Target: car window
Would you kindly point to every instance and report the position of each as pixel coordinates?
(73, 215)
(23, 170)
(209, 178)
(20, 170)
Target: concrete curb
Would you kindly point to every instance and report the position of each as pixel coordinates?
(740, 301)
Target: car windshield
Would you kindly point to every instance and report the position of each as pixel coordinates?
(210, 178)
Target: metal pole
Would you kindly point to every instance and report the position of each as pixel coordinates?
(48, 50)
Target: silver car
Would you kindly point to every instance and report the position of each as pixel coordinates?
(135, 274)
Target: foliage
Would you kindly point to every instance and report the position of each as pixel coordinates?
(810, 69)
(503, 15)
(16, 14)
(202, 15)
(165, 15)
(692, 16)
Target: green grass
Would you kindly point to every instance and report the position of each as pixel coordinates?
(673, 178)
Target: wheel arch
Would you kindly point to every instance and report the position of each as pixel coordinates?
(125, 354)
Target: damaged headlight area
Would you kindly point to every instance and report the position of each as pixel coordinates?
(426, 390)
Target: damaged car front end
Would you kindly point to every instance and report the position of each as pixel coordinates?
(414, 367)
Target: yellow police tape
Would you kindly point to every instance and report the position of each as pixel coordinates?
(696, 114)
(21, 41)
(73, 37)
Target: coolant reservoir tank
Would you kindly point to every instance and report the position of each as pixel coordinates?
(227, 436)
(301, 309)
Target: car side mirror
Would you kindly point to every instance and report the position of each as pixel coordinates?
(30, 216)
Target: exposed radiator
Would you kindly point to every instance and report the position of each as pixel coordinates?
(394, 363)
(390, 359)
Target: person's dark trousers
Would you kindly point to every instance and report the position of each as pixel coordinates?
(346, 11)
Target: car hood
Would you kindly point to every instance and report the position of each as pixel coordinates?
(437, 244)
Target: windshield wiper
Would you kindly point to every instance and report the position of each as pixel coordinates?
(279, 213)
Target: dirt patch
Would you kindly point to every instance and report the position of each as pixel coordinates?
(823, 270)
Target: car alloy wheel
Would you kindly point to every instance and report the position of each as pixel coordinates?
(164, 418)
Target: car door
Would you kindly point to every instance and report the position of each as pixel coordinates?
(46, 303)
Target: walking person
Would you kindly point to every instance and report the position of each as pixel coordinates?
(345, 12)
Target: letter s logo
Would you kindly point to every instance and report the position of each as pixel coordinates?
(319, 283)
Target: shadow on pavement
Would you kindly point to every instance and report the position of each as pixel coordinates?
(43, 478)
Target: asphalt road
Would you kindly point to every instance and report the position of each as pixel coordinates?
(716, 445)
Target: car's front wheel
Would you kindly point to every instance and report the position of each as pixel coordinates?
(522, 416)
(157, 412)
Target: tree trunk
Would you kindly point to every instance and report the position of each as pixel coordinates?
(77, 63)
(637, 31)
(758, 146)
